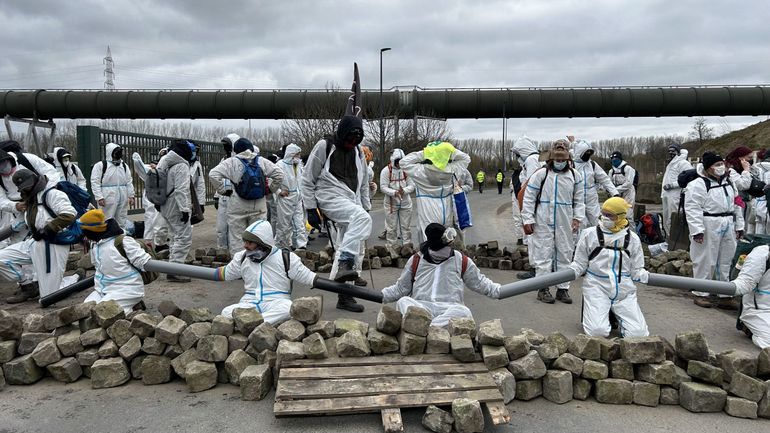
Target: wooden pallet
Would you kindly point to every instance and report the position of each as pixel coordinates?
(339, 386)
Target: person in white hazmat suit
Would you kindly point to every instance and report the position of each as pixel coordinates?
(435, 278)
(466, 181)
(155, 227)
(715, 224)
(611, 257)
(761, 220)
(48, 260)
(753, 283)
(267, 273)
(243, 211)
(622, 176)
(290, 218)
(68, 170)
(528, 156)
(552, 210)
(12, 208)
(435, 171)
(118, 277)
(197, 177)
(112, 185)
(336, 183)
(397, 187)
(670, 190)
(221, 200)
(592, 176)
(176, 210)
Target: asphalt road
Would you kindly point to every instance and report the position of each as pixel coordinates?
(51, 406)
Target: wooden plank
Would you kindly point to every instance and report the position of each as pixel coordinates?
(498, 412)
(328, 388)
(391, 421)
(379, 371)
(375, 403)
(371, 360)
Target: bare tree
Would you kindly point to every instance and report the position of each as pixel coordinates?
(701, 131)
(312, 122)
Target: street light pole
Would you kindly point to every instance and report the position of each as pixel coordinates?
(382, 127)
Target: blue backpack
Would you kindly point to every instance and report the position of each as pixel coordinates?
(79, 199)
(252, 184)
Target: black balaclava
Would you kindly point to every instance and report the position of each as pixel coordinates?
(587, 155)
(227, 145)
(433, 235)
(182, 148)
(117, 155)
(350, 132)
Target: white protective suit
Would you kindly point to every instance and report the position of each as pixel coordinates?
(290, 218)
(155, 228)
(761, 220)
(267, 285)
(223, 240)
(32, 252)
(115, 278)
(670, 196)
(347, 208)
(398, 211)
(592, 176)
(178, 201)
(609, 282)
(197, 176)
(240, 212)
(714, 213)
(623, 179)
(552, 244)
(71, 173)
(116, 188)
(439, 288)
(434, 190)
(753, 282)
(528, 158)
(466, 181)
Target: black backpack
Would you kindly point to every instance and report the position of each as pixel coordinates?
(623, 249)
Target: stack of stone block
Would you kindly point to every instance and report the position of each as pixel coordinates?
(212, 257)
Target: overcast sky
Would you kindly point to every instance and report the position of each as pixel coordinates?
(306, 44)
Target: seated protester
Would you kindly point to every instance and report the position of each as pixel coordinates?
(435, 278)
(45, 220)
(612, 259)
(118, 276)
(267, 273)
(753, 282)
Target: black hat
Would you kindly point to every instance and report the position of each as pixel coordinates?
(433, 234)
(616, 155)
(675, 147)
(710, 158)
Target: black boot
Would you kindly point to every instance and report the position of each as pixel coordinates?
(25, 293)
(360, 282)
(525, 275)
(563, 296)
(544, 295)
(346, 271)
(345, 302)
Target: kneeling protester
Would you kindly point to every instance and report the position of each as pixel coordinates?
(119, 261)
(612, 259)
(753, 282)
(434, 279)
(267, 272)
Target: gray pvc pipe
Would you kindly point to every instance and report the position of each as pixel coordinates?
(686, 283)
(536, 283)
(191, 271)
(347, 289)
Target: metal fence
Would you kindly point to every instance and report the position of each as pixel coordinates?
(91, 141)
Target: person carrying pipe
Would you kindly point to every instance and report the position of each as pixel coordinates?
(112, 185)
(251, 178)
(268, 273)
(118, 260)
(435, 278)
(335, 186)
(611, 257)
(552, 210)
(753, 283)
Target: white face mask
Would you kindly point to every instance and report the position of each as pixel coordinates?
(606, 222)
(720, 171)
(296, 160)
(559, 166)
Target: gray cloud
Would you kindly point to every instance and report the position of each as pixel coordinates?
(307, 44)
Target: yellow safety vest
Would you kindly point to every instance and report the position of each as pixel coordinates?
(499, 177)
(480, 176)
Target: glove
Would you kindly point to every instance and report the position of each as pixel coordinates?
(185, 217)
(157, 207)
(38, 235)
(668, 186)
(228, 193)
(314, 218)
(203, 209)
(216, 203)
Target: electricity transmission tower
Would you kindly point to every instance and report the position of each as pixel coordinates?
(109, 71)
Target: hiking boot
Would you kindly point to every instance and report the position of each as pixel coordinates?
(544, 295)
(728, 303)
(26, 292)
(742, 327)
(140, 306)
(360, 282)
(525, 275)
(563, 296)
(382, 235)
(177, 279)
(705, 301)
(346, 271)
(345, 302)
